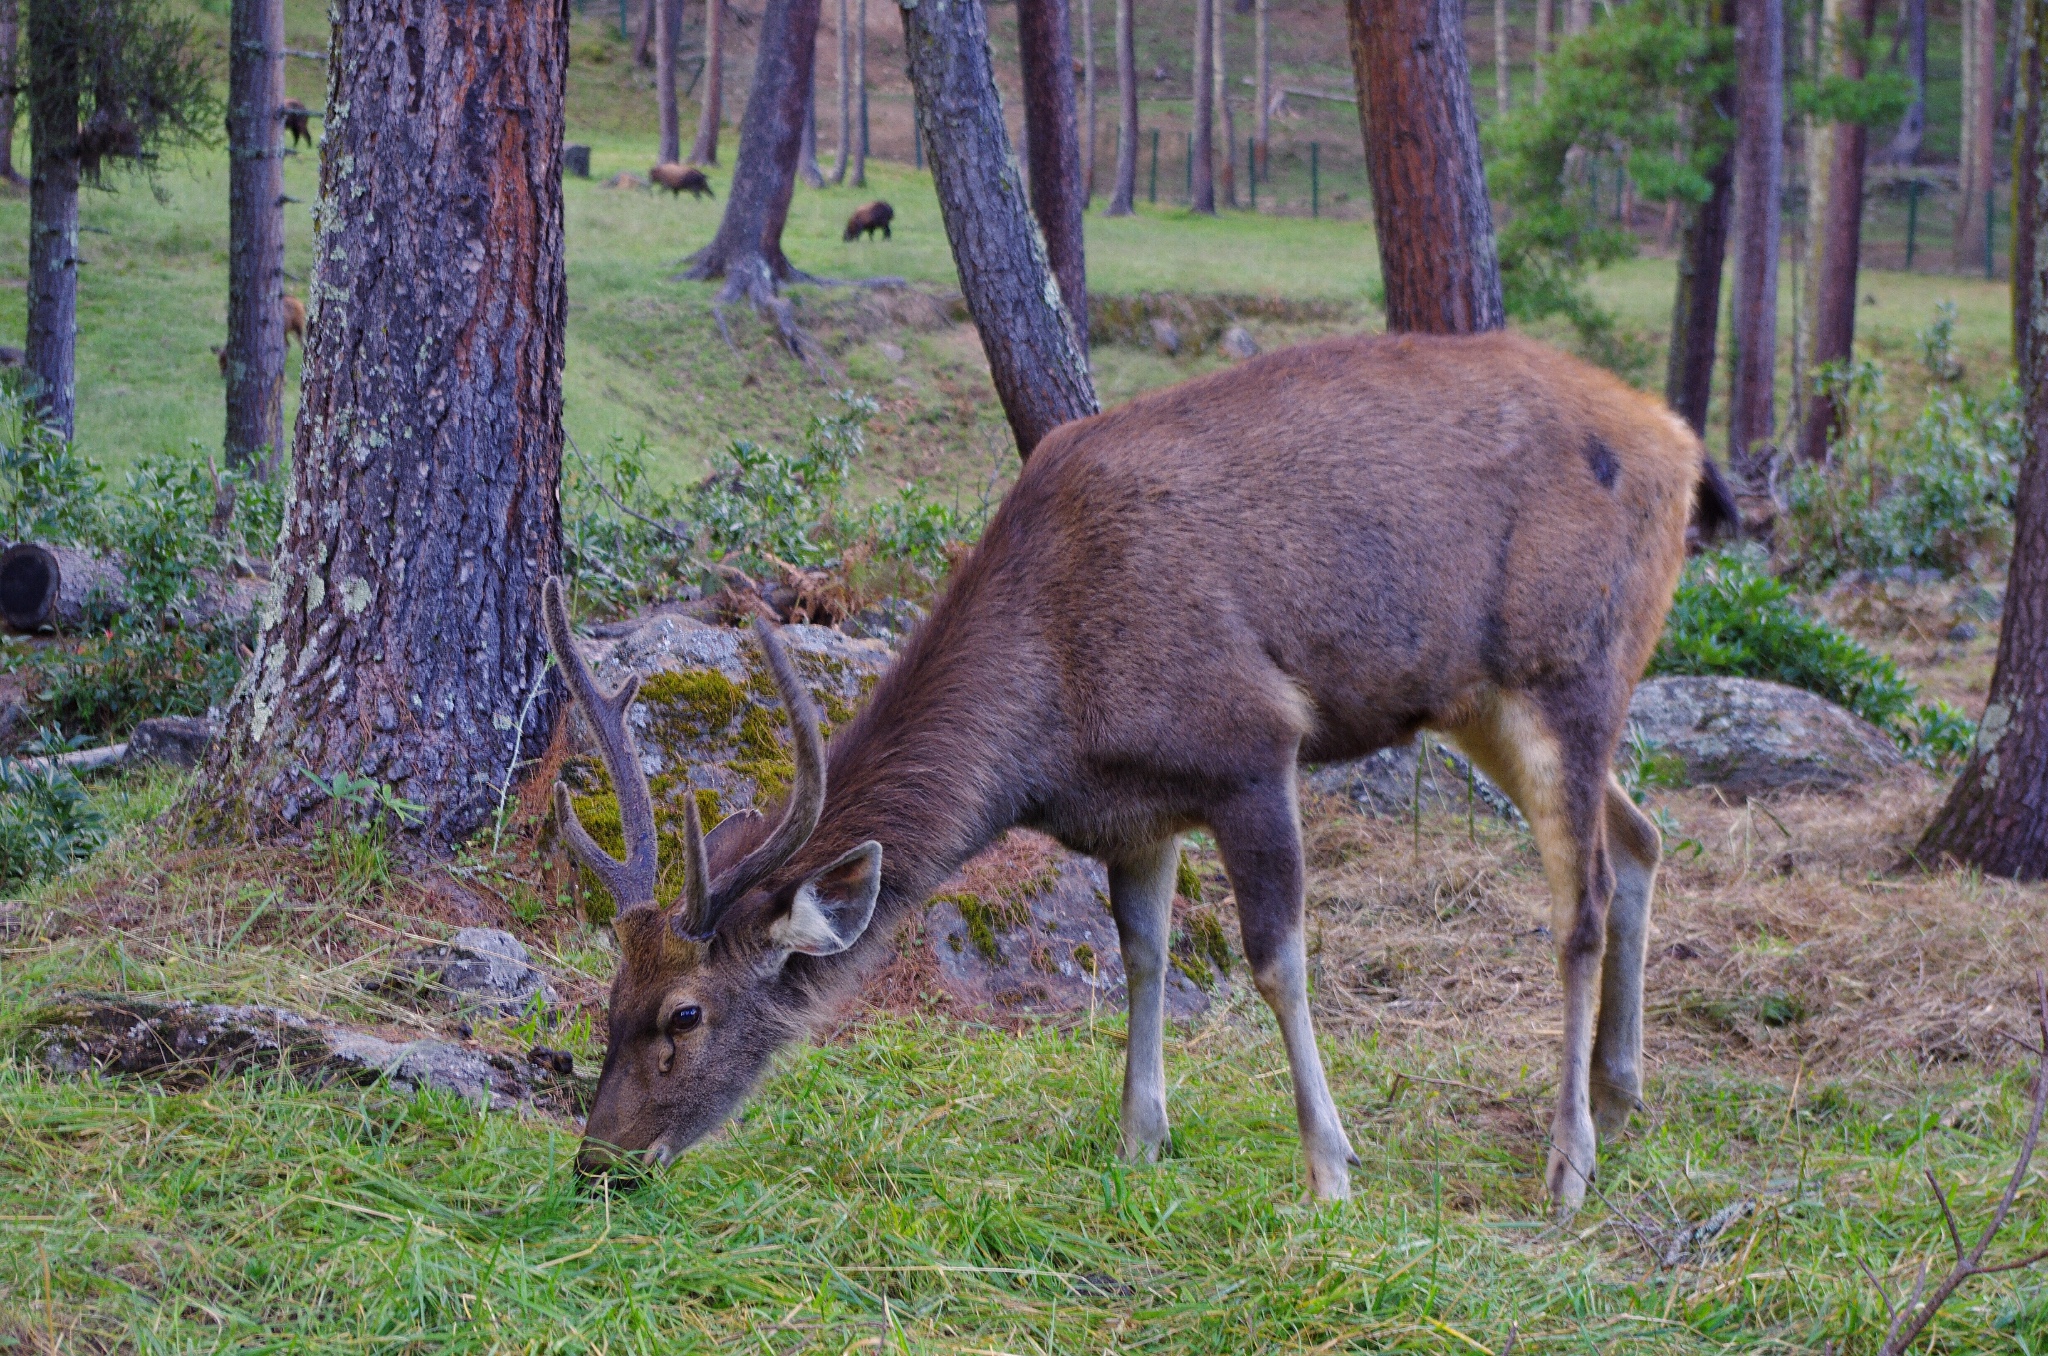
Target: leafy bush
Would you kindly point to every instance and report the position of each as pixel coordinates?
(1937, 496)
(1730, 618)
(47, 822)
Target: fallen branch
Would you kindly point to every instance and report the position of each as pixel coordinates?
(78, 760)
(1911, 1319)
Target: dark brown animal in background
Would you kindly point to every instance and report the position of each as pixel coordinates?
(681, 179)
(298, 121)
(1301, 559)
(876, 216)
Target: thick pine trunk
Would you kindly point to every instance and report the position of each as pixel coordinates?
(1696, 309)
(807, 145)
(704, 150)
(255, 349)
(1088, 130)
(1034, 352)
(1203, 171)
(860, 80)
(644, 38)
(402, 641)
(53, 211)
(1227, 162)
(747, 251)
(1123, 198)
(1839, 239)
(668, 18)
(1996, 816)
(1980, 129)
(1045, 52)
(10, 78)
(1759, 166)
(1905, 144)
(1422, 156)
(2029, 185)
(839, 159)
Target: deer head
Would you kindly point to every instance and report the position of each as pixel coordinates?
(702, 998)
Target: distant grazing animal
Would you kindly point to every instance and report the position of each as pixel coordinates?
(681, 179)
(298, 121)
(294, 325)
(1300, 559)
(876, 216)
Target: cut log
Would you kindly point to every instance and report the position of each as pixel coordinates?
(60, 587)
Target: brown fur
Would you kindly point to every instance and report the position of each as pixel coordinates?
(876, 216)
(681, 179)
(294, 327)
(1303, 558)
(298, 122)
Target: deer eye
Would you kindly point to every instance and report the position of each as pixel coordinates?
(684, 1018)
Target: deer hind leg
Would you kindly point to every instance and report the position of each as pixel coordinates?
(1141, 901)
(1259, 836)
(1635, 847)
(1559, 785)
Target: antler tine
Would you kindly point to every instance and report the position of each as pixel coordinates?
(631, 882)
(807, 788)
(696, 918)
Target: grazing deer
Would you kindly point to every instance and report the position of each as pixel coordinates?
(876, 216)
(1304, 558)
(681, 179)
(298, 121)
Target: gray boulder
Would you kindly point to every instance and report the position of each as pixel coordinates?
(182, 740)
(1237, 342)
(1748, 737)
(478, 969)
(1385, 783)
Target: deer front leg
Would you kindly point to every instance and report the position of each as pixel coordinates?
(1141, 901)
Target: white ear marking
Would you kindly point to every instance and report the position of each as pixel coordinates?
(829, 912)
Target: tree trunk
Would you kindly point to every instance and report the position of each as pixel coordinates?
(1218, 9)
(1422, 156)
(10, 86)
(1839, 240)
(1263, 55)
(845, 151)
(404, 643)
(1980, 129)
(1501, 69)
(1759, 166)
(1045, 52)
(2029, 186)
(1202, 172)
(53, 100)
(1122, 201)
(1696, 310)
(1088, 102)
(668, 17)
(1578, 17)
(1996, 816)
(807, 146)
(1033, 348)
(860, 80)
(1546, 18)
(644, 39)
(747, 251)
(1905, 144)
(704, 150)
(255, 349)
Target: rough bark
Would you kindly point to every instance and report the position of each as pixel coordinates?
(704, 150)
(668, 18)
(1088, 129)
(860, 80)
(401, 640)
(2029, 185)
(1905, 143)
(1839, 239)
(1034, 352)
(1202, 173)
(1501, 68)
(52, 212)
(807, 145)
(255, 348)
(1980, 128)
(1422, 156)
(1696, 310)
(1220, 83)
(1996, 816)
(10, 76)
(1045, 52)
(1123, 198)
(1759, 166)
(747, 251)
(840, 157)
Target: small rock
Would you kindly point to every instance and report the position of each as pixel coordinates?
(1165, 335)
(893, 352)
(477, 968)
(625, 180)
(1748, 737)
(1962, 632)
(554, 1061)
(1237, 341)
(890, 621)
(182, 740)
(1981, 603)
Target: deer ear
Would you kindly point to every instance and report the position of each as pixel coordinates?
(725, 834)
(831, 909)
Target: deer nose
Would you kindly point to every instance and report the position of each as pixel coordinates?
(598, 1160)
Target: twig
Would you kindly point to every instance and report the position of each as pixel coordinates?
(1911, 1319)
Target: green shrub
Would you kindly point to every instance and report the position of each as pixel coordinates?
(1730, 618)
(1937, 496)
(47, 822)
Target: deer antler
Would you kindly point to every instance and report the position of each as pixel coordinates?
(631, 882)
(806, 792)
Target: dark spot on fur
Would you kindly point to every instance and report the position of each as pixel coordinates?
(1600, 457)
